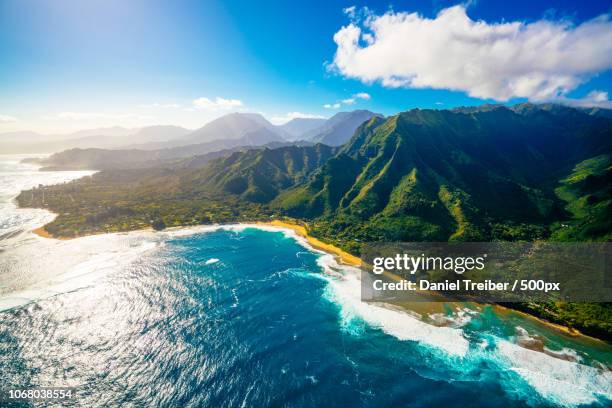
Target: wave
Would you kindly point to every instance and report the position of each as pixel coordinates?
(563, 382)
(345, 289)
(100, 256)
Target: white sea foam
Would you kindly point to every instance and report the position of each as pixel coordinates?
(459, 318)
(564, 382)
(565, 354)
(65, 266)
(345, 289)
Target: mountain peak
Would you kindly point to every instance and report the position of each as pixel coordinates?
(297, 127)
(340, 128)
(234, 126)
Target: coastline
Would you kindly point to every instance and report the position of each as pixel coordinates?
(346, 258)
(555, 326)
(342, 256)
(300, 230)
(42, 232)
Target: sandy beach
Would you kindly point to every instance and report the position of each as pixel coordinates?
(343, 256)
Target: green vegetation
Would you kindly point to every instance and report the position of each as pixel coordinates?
(588, 193)
(437, 175)
(594, 319)
(476, 174)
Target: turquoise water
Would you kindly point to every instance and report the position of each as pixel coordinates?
(246, 317)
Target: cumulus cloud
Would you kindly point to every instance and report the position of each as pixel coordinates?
(279, 120)
(332, 105)
(538, 60)
(594, 98)
(348, 101)
(7, 119)
(217, 104)
(350, 11)
(362, 95)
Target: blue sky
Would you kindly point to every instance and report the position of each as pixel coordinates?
(68, 65)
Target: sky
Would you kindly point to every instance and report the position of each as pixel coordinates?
(70, 65)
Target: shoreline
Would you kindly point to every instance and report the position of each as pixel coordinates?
(42, 232)
(348, 259)
(343, 256)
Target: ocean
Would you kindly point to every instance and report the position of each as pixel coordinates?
(246, 316)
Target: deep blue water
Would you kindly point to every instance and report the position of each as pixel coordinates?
(249, 318)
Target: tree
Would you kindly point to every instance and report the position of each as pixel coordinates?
(158, 224)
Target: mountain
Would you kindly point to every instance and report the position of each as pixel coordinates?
(109, 159)
(492, 172)
(338, 129)
(259, 175)
(111, 131)
(108, 138)
(151, 145)
(228, 188)
(467, 174)
(599, 112)
(114, 159)
(31, 142)
(153, 134)
(296, 128)
(229, 131)
(236, 126)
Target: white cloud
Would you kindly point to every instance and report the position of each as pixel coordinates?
(7, 119)
(217, 104)
(539, 60)
(348, 101)
(362, 95)
(279, 120)
(332, 105)
(592, 99)
(350, 11)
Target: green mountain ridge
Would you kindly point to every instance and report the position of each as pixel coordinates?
(438, 175)
(259, 175)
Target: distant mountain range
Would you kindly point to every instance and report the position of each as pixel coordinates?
(298, 127)
(229, 131)
(107, 138)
